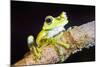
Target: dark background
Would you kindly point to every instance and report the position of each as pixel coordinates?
(27, 19)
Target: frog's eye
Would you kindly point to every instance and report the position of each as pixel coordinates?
(49, 20)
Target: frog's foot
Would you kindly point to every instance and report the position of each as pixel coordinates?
(33, 48)
(36, 53)
(60, 52)
(62, 58)
(59, 49)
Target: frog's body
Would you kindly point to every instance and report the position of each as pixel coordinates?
(52, 29)
(48, 34)
(55, 31)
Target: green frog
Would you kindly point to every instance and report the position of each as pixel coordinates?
(52, 29)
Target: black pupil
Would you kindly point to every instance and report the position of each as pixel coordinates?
(48, 20)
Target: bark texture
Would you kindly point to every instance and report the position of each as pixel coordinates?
(77, 37)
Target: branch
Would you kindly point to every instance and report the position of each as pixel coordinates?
(77, 37)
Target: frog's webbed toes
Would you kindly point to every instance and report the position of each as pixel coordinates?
(36, 53)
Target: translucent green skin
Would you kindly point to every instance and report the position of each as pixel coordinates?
(50, 24)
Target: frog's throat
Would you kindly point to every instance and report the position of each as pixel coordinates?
(55, 31)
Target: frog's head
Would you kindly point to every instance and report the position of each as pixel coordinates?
(53, 22)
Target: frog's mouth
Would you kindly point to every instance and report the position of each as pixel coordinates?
(58, 28)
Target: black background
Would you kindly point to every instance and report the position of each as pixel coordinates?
(27, 18)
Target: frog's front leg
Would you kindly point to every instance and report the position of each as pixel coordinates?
(36, 55)
(33, 48)
(55, 42)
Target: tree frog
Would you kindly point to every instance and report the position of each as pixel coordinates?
(52, 29)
